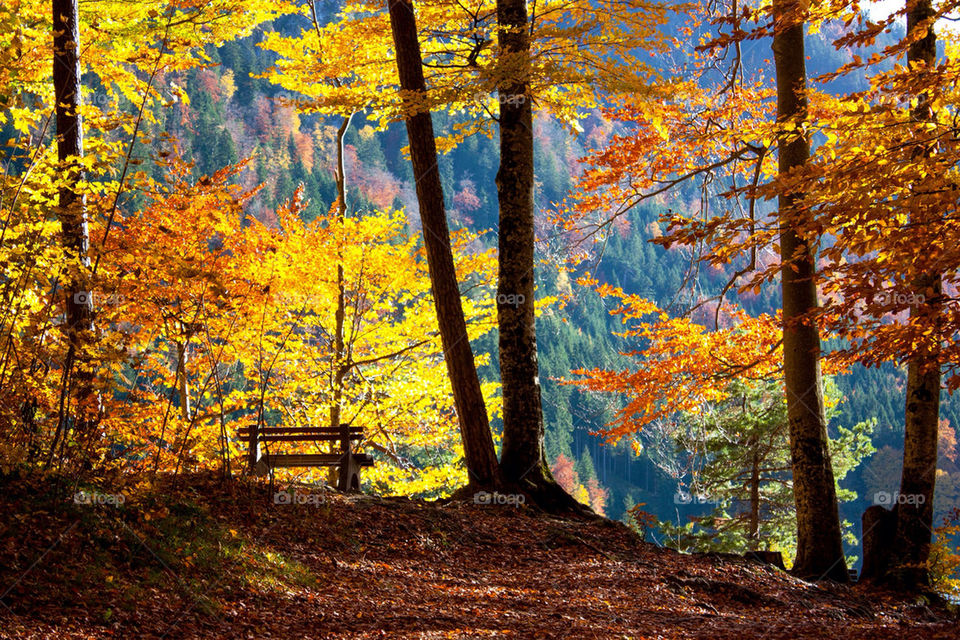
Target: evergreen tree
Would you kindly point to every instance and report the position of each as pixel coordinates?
(739, 455)
(585, 468)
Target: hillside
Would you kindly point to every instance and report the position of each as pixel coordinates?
(194, 557)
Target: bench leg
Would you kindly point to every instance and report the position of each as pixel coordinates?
(349, 479)
(257, 464)
(261, 468)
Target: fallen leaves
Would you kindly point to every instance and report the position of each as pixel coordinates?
(358, 567)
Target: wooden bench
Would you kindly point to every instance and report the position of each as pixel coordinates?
(346, 459)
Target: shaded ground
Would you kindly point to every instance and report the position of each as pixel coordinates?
(200, 559)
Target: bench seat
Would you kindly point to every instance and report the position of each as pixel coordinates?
(287, 460)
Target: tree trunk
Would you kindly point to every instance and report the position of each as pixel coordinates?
(522, 461)
(914, 508)
(819, 542)
(183, 384)
(72, 213)
(339, 363)
(481, 457)
(755, 500)
(879, 528)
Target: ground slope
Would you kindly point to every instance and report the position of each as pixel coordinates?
(196, 558)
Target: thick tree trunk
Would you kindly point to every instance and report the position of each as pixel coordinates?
(879, 527)
(522, 457)
(903, 562)
(819, 542)
(522, 460)
(914, 509)
(478, 446)
(72, 211)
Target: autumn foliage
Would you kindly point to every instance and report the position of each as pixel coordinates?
(682, 364)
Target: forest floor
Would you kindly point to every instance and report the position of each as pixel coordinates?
(197, 558)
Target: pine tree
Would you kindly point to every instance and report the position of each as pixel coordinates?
(740, 466)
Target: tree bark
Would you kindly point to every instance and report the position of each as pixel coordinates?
(481, 457)
(819, 542)
(72, 211)
(522, 456)
(522, 460)
(914, 509)
(879, 528)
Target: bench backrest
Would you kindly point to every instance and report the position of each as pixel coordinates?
(301, 434)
